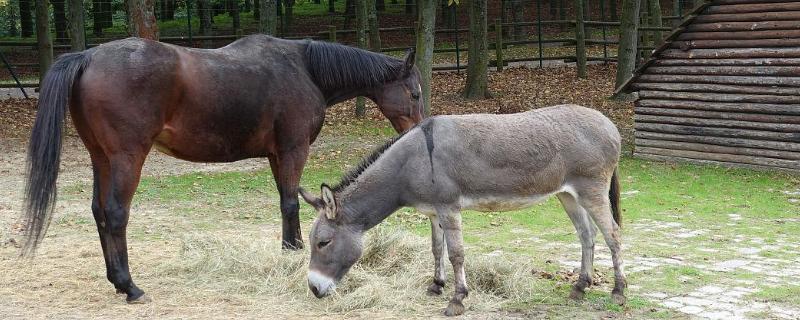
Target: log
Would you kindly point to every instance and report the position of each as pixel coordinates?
(741, 35)
(776, 109)
(718, 97)
(718, 132)
(743, 17)
(717, 88)
(753, 7)
(729, 62)
(731, 142)
(689, 113)
(732, 53)
(719, 44)
(717, 123)
(689, 146)
(654, 157)
(759, 81)
(724, 157)
(742, 26)
(728, 71)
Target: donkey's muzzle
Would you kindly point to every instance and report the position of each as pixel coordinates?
(319, 284)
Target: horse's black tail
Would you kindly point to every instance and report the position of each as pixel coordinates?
(44, 149)
(613, 197)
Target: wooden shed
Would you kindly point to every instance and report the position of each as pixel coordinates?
(724, 88)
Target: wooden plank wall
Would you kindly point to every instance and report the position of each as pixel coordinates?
(727, 89)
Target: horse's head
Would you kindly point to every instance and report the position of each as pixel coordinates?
(335, 244)
(401, 100)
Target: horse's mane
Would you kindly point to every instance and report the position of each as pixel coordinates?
(354, 173)
(337, 66)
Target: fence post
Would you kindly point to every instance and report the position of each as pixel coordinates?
(580, 40)
(539, 30)
(498, 45)
(331, 33)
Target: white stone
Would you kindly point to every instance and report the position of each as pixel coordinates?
(711, 290)
(750, 250)
(671, 304)
(721, 315)
(691, 310)
(657, 295)
(730, 265)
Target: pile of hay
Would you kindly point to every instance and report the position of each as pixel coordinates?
(392, 275)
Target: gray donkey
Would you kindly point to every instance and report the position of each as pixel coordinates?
(482, 162)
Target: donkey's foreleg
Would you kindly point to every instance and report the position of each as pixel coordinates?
(439, 256)
(598, 206)
(586, 233)
(451, 224)
(287, 168)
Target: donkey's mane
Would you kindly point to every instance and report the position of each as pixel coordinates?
(351, 176)
(335, 66)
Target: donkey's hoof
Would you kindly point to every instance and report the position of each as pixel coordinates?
(619, 298)
(141, 299)
(434, 290)
(576, 294)
(455, 308)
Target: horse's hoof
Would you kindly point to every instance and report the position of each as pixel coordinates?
(141, 299)
(576, 294)
(619, 298)
(434, 290)
(454, 308)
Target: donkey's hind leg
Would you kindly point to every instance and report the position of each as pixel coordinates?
(586, 233)
(439, 256)
(450, 219)
(596, 202)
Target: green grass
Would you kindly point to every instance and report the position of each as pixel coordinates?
(788, 294)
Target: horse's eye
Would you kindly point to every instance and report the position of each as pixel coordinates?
(322, 244)
(415, 96)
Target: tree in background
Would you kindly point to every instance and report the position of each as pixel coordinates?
(60, 20)
(288, 15)
(268, 22)
(43, 42)
(361, 38)
(629, 24)
(11, 13)
(425, 43)
(167, 10)
(142, 19)
(374, 26)
(478, 63)
(25, 18)
(77, 38)
(233, 11)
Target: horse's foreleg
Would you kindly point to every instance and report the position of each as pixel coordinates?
(586, 233)
(451, 225)
(287, 168)
(125, 170)
(598, 206)
(439, 256)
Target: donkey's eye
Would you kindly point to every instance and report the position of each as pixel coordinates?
(322, 244)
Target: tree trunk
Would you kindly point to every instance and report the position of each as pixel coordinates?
(204, 11)
(380, 5)
(97, 20)
(288, 14)
(268, 24)
(655, 20)
(43, 43)
(257, 10)
(76, 26)
(478, 67)
(143, 19)
(331, 6)
(518, 8)
(349, 12)
(233, 11)
(361, 38)
(60, 20)
(372, 20)
(248, 6)
(580, 39)
(107, 13)
(25, 18)
(627, 41)
(425, 43)
(448, 14)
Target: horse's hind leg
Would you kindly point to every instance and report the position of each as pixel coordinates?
(595, 201)
(586, 233)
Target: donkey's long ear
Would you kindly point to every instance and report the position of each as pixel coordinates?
(329, 201)
(312, 200)
(409, 60)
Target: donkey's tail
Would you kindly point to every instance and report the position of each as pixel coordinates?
(44, 148)
(613, 197)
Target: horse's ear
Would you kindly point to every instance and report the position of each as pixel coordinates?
(329, 202)
(409, 60)
(312, 200)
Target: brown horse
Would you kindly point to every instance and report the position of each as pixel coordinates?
(257, 97)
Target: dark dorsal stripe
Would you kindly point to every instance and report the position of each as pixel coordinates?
(334, 66)
(353, 174)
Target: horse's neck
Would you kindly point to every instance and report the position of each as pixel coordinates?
(374, 197)
(337, 95)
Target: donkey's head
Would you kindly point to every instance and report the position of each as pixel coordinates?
(401, 100)
(335, 244)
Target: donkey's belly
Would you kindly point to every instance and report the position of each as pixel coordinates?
(499, 203)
